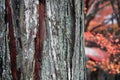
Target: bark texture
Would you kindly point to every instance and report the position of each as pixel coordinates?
(63, 54)
(5, 68)
(42, 40)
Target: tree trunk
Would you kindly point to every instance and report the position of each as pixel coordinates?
(42, 40)
(5, 70)
(63, 53)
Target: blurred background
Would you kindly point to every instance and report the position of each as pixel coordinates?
(102, 39)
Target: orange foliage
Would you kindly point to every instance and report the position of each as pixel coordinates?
(112, 63)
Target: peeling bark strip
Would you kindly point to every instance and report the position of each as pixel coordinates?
(39, 40)
(12, 43)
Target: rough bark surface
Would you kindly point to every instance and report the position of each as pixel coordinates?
(63, 54)
(5, 68)
(39, 40)
(28, 26)
(42, 40)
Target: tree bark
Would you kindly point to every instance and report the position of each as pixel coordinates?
(42, 40)
(63, 53)
(5, 69)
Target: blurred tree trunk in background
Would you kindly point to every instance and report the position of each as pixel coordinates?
(42, 40)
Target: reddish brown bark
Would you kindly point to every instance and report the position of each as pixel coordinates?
(39, 40)
(12, 43)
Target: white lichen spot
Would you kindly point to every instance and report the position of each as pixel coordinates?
(54, 76)
(35, 31)
(54, 54)
(26, 3)
(69, 73)
(35, 16)
(49, 12)
(65, 63)
(36, 2)
(27, 22)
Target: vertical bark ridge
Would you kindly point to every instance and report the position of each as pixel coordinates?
(15, 6)
(29, 24)
(39, 39)
(78, 72)
(12, 43)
